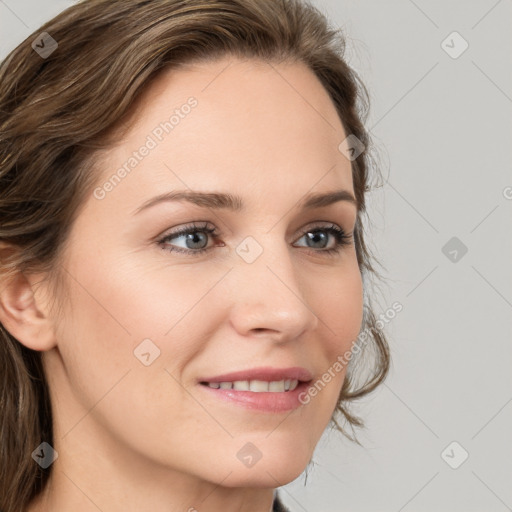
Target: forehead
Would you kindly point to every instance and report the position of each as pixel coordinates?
(233, 123)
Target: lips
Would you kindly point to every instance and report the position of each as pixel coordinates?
(257, 402)
(262, 373)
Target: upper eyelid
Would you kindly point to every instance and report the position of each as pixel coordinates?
(208, 226)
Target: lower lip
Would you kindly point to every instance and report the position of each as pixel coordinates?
(265, 401)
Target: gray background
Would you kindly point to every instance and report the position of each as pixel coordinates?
(442, 127)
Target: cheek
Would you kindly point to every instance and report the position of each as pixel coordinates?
(158, 299)
(338, 303)
(339, 306)
(119, 308)
(103, 380)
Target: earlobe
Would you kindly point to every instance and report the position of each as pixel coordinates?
(23, 313)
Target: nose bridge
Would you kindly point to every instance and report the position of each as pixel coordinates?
(268, 293)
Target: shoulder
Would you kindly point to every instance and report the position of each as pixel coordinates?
(277, 505)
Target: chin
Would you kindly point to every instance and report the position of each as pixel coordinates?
(275, 477)
(275, 470)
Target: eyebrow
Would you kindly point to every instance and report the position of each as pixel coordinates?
(219, 200)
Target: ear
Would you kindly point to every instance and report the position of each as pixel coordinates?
(23, 312)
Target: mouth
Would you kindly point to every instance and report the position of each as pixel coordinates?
(262, 379)
(258, 396)
(263, 389)
(257, 386)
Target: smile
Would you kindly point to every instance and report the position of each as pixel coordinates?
(256, 386)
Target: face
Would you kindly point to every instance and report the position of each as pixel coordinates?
(147, 320)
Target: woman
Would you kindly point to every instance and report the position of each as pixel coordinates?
(183, 269)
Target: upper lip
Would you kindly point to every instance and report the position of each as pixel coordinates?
(263, 373)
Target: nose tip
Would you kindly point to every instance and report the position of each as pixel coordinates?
(271, 302)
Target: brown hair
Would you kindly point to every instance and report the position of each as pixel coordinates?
(58, 111)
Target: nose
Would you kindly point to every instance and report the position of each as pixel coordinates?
(268, 297)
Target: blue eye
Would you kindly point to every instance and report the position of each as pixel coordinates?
(199, 244)
(189, 233)
(341, 239)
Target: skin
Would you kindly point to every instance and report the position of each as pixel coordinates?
(132, 437)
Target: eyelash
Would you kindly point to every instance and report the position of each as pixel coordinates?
(342, 239)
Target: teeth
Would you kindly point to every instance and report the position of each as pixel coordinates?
(257, 386)
(241, 385)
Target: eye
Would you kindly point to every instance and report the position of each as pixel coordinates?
(316, 236)
(193, 244)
